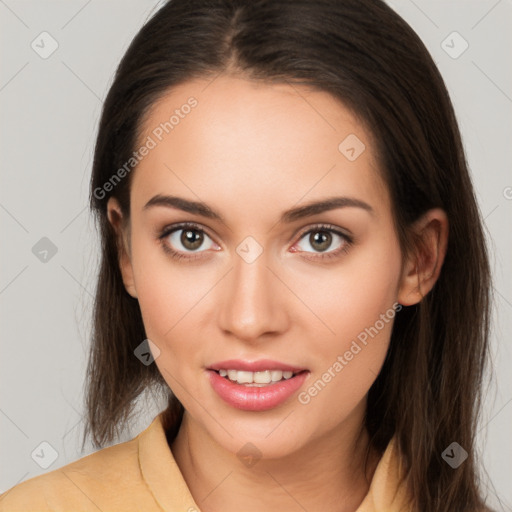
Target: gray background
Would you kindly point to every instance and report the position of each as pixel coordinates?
(50, 110)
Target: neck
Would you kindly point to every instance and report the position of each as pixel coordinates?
(328, 473)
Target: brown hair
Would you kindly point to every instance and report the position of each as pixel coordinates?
(361, 52)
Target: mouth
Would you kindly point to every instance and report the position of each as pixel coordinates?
(256, 386)
(257, 379)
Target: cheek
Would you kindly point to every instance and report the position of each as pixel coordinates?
(169, 296)
(166, 290)
(170, 303)
(363, 287)
(356, 303)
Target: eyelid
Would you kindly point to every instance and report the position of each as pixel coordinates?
(167, 230)
(327, 227)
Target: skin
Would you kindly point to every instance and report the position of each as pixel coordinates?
(251, 151)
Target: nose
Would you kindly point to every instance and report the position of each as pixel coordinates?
(252, 301)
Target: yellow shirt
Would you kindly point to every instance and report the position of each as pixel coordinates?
(141, 475)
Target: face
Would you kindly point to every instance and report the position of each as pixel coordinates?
(312, 290)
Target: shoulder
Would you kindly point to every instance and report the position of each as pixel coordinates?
(84, 484)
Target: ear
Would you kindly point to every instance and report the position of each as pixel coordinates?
(115, 217)
(423, 266)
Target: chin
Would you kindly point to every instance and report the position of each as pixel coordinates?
(254, 438)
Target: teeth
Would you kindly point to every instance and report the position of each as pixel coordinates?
(255, 378)
(244, 377)
(262, 377)
(276, 375)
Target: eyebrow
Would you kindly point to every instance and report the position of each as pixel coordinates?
(291, 215)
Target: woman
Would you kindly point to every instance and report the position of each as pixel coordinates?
(292, 252)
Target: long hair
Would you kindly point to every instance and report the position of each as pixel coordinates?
(361, 52)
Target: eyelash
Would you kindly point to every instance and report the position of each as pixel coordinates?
(347, 241)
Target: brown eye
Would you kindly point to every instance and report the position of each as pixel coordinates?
(187, 239)
(320, 240)
(191, 239)
(323, 239)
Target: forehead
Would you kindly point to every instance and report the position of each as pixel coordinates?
(232, 136)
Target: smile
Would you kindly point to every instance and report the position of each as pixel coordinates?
(256, 396)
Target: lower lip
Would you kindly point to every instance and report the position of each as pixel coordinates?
(254, 398)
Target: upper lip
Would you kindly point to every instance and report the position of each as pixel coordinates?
(254, 366)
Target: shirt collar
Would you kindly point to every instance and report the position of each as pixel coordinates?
(165, 481)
